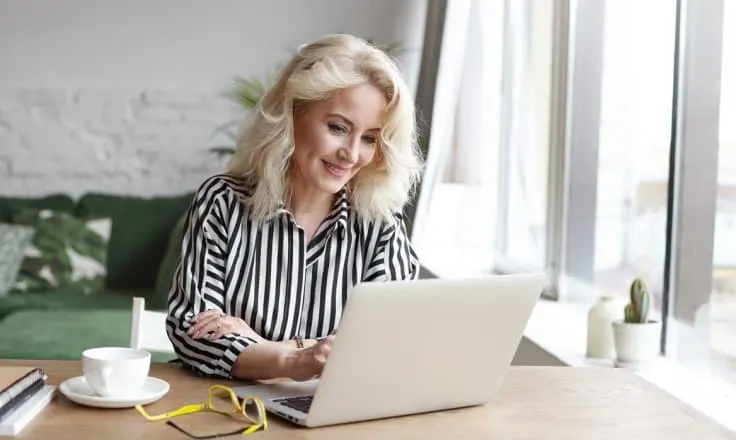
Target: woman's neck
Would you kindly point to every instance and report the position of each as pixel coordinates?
(309, 206)
(306, 200)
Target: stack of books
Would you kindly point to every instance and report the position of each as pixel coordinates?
(24, 393)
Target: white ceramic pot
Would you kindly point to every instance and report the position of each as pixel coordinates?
(636, 343)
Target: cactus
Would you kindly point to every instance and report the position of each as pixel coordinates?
(637, 310)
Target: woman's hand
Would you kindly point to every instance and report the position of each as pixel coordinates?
(307, 363)
(214, 324)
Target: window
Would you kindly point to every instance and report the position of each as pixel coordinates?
(660, 211)
(640, 190)
(634, 145)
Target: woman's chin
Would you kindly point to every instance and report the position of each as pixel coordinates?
(331, 183)
(332, 189)
(332, 186)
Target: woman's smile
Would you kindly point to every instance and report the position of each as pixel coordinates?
(335, 170)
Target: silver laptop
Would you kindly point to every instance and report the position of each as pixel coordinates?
(411, 347)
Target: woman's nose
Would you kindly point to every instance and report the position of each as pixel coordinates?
(352, 150)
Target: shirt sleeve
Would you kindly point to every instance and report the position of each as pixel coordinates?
(199, 284)
(393, 258)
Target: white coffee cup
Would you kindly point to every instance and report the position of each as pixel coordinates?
(116, 371)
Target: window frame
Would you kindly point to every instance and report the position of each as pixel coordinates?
(694, 180)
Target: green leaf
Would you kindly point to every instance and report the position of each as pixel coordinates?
(246, 92)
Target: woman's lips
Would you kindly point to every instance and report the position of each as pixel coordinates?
(335, 170)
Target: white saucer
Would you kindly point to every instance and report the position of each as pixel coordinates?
(78, 390)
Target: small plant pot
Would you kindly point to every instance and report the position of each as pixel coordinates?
(636, 343)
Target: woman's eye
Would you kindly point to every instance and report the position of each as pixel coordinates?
(370, 140)
(337, 128)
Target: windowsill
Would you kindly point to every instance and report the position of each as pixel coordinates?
(561, 329)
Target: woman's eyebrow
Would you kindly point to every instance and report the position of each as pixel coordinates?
(348, 121)
(343, 117)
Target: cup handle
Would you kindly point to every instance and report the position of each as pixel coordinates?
(105, 374)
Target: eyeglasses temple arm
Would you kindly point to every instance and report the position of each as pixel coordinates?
(186, 409)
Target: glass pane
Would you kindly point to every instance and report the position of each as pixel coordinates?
(723, 297)
(636, 103)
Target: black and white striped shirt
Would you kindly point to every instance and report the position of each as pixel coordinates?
(268, 275)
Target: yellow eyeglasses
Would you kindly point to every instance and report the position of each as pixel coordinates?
(251, 408)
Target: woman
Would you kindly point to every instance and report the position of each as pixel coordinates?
(310, 206)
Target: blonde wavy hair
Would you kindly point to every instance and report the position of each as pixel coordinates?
(318, 71)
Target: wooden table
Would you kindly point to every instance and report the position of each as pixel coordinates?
(535, 403)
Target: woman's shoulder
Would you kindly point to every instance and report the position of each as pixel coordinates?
(379, 225)
(218, 195)
(222, 185)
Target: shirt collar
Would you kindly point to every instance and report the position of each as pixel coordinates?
(342, 206)
(338, 213)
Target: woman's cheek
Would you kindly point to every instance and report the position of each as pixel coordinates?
(367, 155)
(333, 142)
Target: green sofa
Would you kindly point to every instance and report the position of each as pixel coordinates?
(142, 254)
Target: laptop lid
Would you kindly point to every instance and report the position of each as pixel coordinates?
(408, 347)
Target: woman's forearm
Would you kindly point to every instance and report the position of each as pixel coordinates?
(290, 343)
(264, 360)
(267, 360)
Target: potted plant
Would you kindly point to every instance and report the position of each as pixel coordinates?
(636, 337)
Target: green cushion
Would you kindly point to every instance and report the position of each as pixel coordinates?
(64, 334)
(65, 252)
(169, 264)
(66, 299)
(56, 202)
(140, 234)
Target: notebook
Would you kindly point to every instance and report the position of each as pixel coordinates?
(14, 422)
(17, 383)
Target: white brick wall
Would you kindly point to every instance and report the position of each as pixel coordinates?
(145, 142)
(123, 98)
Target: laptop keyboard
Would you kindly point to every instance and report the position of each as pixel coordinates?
(299, 403)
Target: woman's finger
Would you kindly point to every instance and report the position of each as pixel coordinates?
(195, 329)
(223, 327)
(206, 314)
(201, 319)
(324, 352)
(324, 345)
(203, 326)
(214, 327)
(318, 354)
(219, 331)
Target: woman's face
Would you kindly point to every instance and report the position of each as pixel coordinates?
(336, 137)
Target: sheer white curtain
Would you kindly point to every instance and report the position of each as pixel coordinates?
(462, 139)
(442, 97)
(525, 135)
(483, 196)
